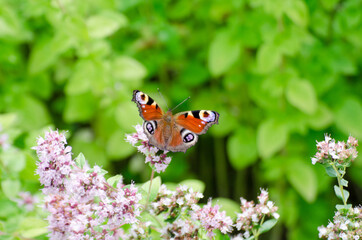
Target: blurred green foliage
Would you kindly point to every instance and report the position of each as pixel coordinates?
(280, 73)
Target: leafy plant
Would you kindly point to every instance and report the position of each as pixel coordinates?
(336, 157)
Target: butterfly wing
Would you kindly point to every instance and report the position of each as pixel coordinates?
(152, 114)
(188, 125)
(181, 140)
(147, 107)
(197, 121)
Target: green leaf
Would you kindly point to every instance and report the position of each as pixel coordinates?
(224, 51)
(41, 85)
(241, 148)
(84, 74)
(229, 206)
(151, 218)
(297, 11)
(113, 181)
(2, 226)
(32, 113)
(340, 206)
(338, 192)
(13, 159)
(344, 182)
(349, 117)
(105, 24)
(250, 238)
(322, 18)
(268, 58)
(10, 188)
(289, 41)
(196, 185)
(7, 120)
(46, 52)
(11, 26)
(267, 225)
(117, 147)
(32, 227)
(128, 109)
(227, 123)
(194, 74)
(301, 94)
(322, 118)
(156, 183)
(330, 171)
(329, 4)
(302, 177)
(83, 141)
(80, 160)
(27, 173)
(271, 137)
(128, 71)
(8, 208)
(80, 108)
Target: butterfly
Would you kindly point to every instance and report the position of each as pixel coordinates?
(166, 131)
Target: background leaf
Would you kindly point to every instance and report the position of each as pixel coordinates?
(105, 23)
(271, 137)
(242, 148)
(223, 52)
(10, 188)
(302, 177)
(300, 93)
(195, 184)
(156, 183)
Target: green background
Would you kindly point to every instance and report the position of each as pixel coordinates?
(280, 73)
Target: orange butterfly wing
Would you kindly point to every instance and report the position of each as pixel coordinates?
(147, 107)
(197, 121)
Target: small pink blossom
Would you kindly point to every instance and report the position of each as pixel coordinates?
(4, 141)
(340, 152)
(27, 200)
(139, 139)
(211, 218)
(346, 225)
(55, 161)
(252, 214)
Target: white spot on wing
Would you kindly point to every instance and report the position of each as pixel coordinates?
(209, 118)
(139, 99)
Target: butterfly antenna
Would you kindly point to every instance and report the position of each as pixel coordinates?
(162, 97)
(180, 103)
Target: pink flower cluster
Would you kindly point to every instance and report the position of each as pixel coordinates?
(171, 201)
(82, 205)
(188, 217)
(346, 225)
(212, 218)
(340, 152)
(253, 214)
(55, 162)
(27, 201)
(139, 139)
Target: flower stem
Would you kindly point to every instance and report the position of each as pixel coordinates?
(256, 231)
(339, 177)
(149, 188)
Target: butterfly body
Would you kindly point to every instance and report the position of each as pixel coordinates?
(170, 132)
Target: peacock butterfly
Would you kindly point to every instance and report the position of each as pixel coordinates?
(166, 131)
